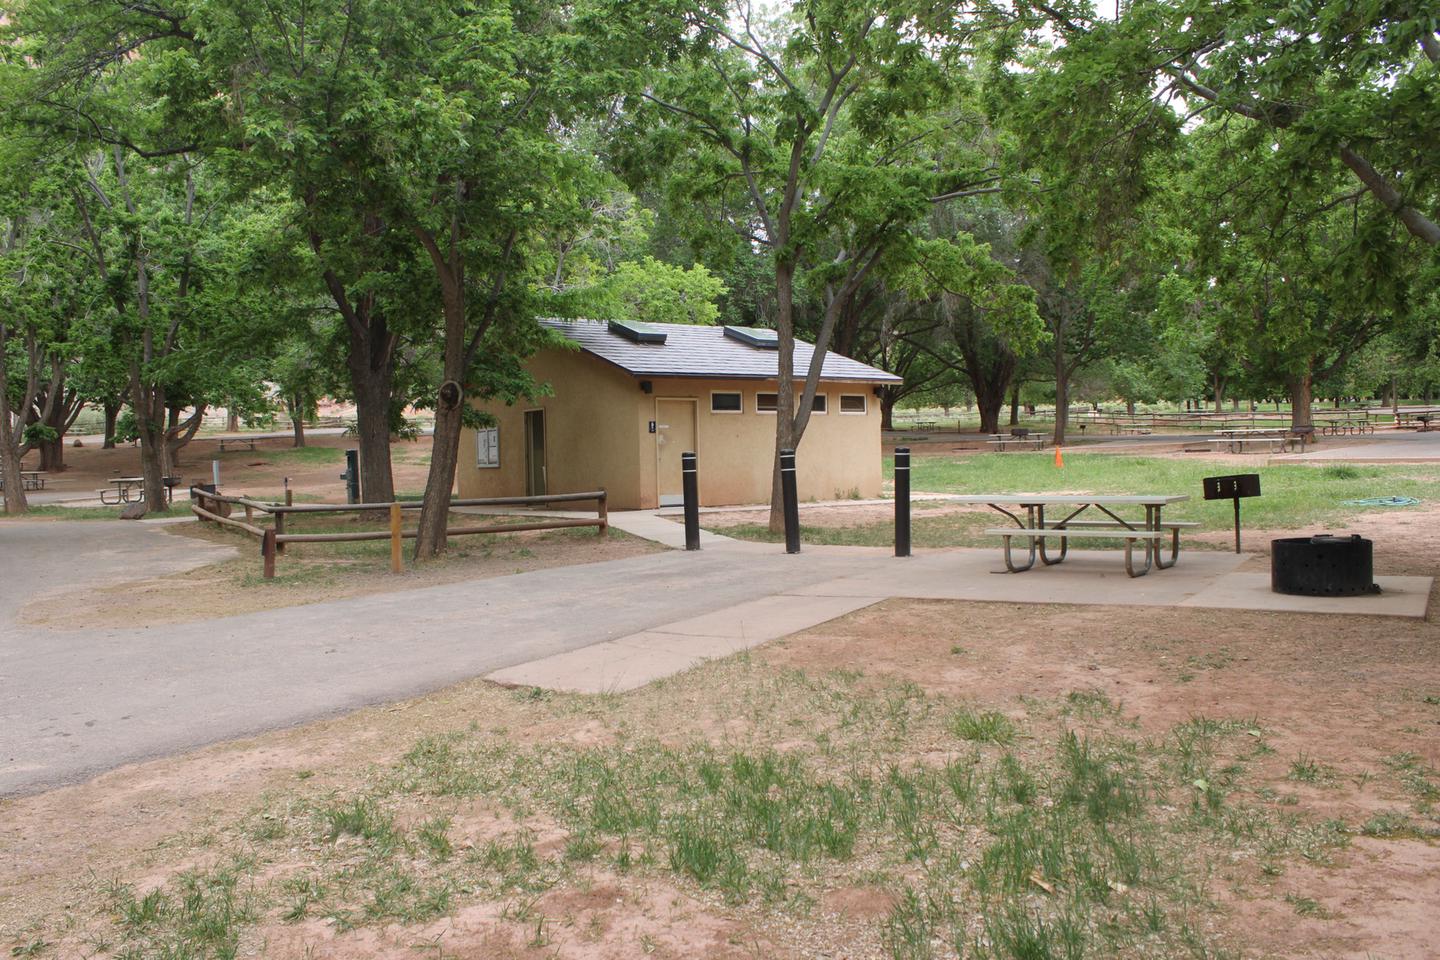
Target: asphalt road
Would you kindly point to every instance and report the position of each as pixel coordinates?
(74, 703)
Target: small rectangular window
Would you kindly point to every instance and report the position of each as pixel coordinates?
(487, 447)
(767, 402)
(818, 404)
(725, 402)
(852, 403)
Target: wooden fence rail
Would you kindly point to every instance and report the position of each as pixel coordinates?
(210, 506)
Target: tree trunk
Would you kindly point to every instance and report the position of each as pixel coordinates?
(52, 454)
(1219, 394)
(430, 536)
(1130, 408)
(785, 387)
(1015, 406)
(232, 421)
(1062, 397)
(149, 406)
(15, 501)
(1300, 399)
(887, 409)
(1394, 397)
(297, 420)
(112, 413)
(372, 373)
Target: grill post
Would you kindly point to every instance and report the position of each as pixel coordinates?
(791, 501)
(690, 480)
(902, 501)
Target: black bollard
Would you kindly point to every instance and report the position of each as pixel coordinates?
(690, 480)
(902, 501)
(792, 504)
(351, 476)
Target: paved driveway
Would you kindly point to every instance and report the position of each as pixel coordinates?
(77, 702)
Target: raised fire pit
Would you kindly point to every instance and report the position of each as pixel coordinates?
(1323, 566)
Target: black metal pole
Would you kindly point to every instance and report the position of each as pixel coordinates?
(351, 476)
(902, 501)
(792, 503)
(1237, 524)
(690, 481)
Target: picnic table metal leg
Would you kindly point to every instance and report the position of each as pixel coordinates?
(1049, 561)
(1010, 562)
(1130, 557)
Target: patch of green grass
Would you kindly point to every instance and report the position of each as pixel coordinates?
(307, 455)
(198, 914)
(1306, 769)
(1305, 906)
(983, 726)
(52, 511)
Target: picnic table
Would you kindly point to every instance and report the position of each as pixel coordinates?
(1028, 513)
(29, 480)
(1000, 440)
(246, 442)
(124, 490)
(1343, 425)
(1240, 439)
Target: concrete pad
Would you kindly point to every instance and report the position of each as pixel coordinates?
(635, 660)
(696, 646)
(772, 617)
(1399, 597)
(610, 667)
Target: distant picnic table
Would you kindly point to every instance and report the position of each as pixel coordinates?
(29, 480)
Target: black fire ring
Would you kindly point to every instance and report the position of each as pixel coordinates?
(1323, 566)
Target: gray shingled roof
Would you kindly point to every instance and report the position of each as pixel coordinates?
(692, 350)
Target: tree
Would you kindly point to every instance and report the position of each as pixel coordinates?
(1324, 83)
(810, 136)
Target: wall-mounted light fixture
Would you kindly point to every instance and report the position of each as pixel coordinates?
(646, 386)
(879, 392)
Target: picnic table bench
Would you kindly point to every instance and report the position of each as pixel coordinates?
(1035, 529)
(246, 442)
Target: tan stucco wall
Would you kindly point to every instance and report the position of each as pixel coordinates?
(592, 433)
(839, 455)
(599, 420)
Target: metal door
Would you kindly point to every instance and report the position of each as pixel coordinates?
(535, 481)
(674, 435)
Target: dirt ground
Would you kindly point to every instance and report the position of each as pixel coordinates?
(261, 471)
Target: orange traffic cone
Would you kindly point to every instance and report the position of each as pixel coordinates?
(1059, 460)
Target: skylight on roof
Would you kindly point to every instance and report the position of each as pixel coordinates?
(636, 332)
(755, 337)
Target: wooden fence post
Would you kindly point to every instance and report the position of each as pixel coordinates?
(267, 552)
(395, 564)
(604, 514)
(279, 530)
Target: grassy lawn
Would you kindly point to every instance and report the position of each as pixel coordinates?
(51, 511)
(1301, 498)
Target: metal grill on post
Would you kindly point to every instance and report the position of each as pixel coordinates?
(791, 501)
(690, 482)
(1233, 487)
(902, 501)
